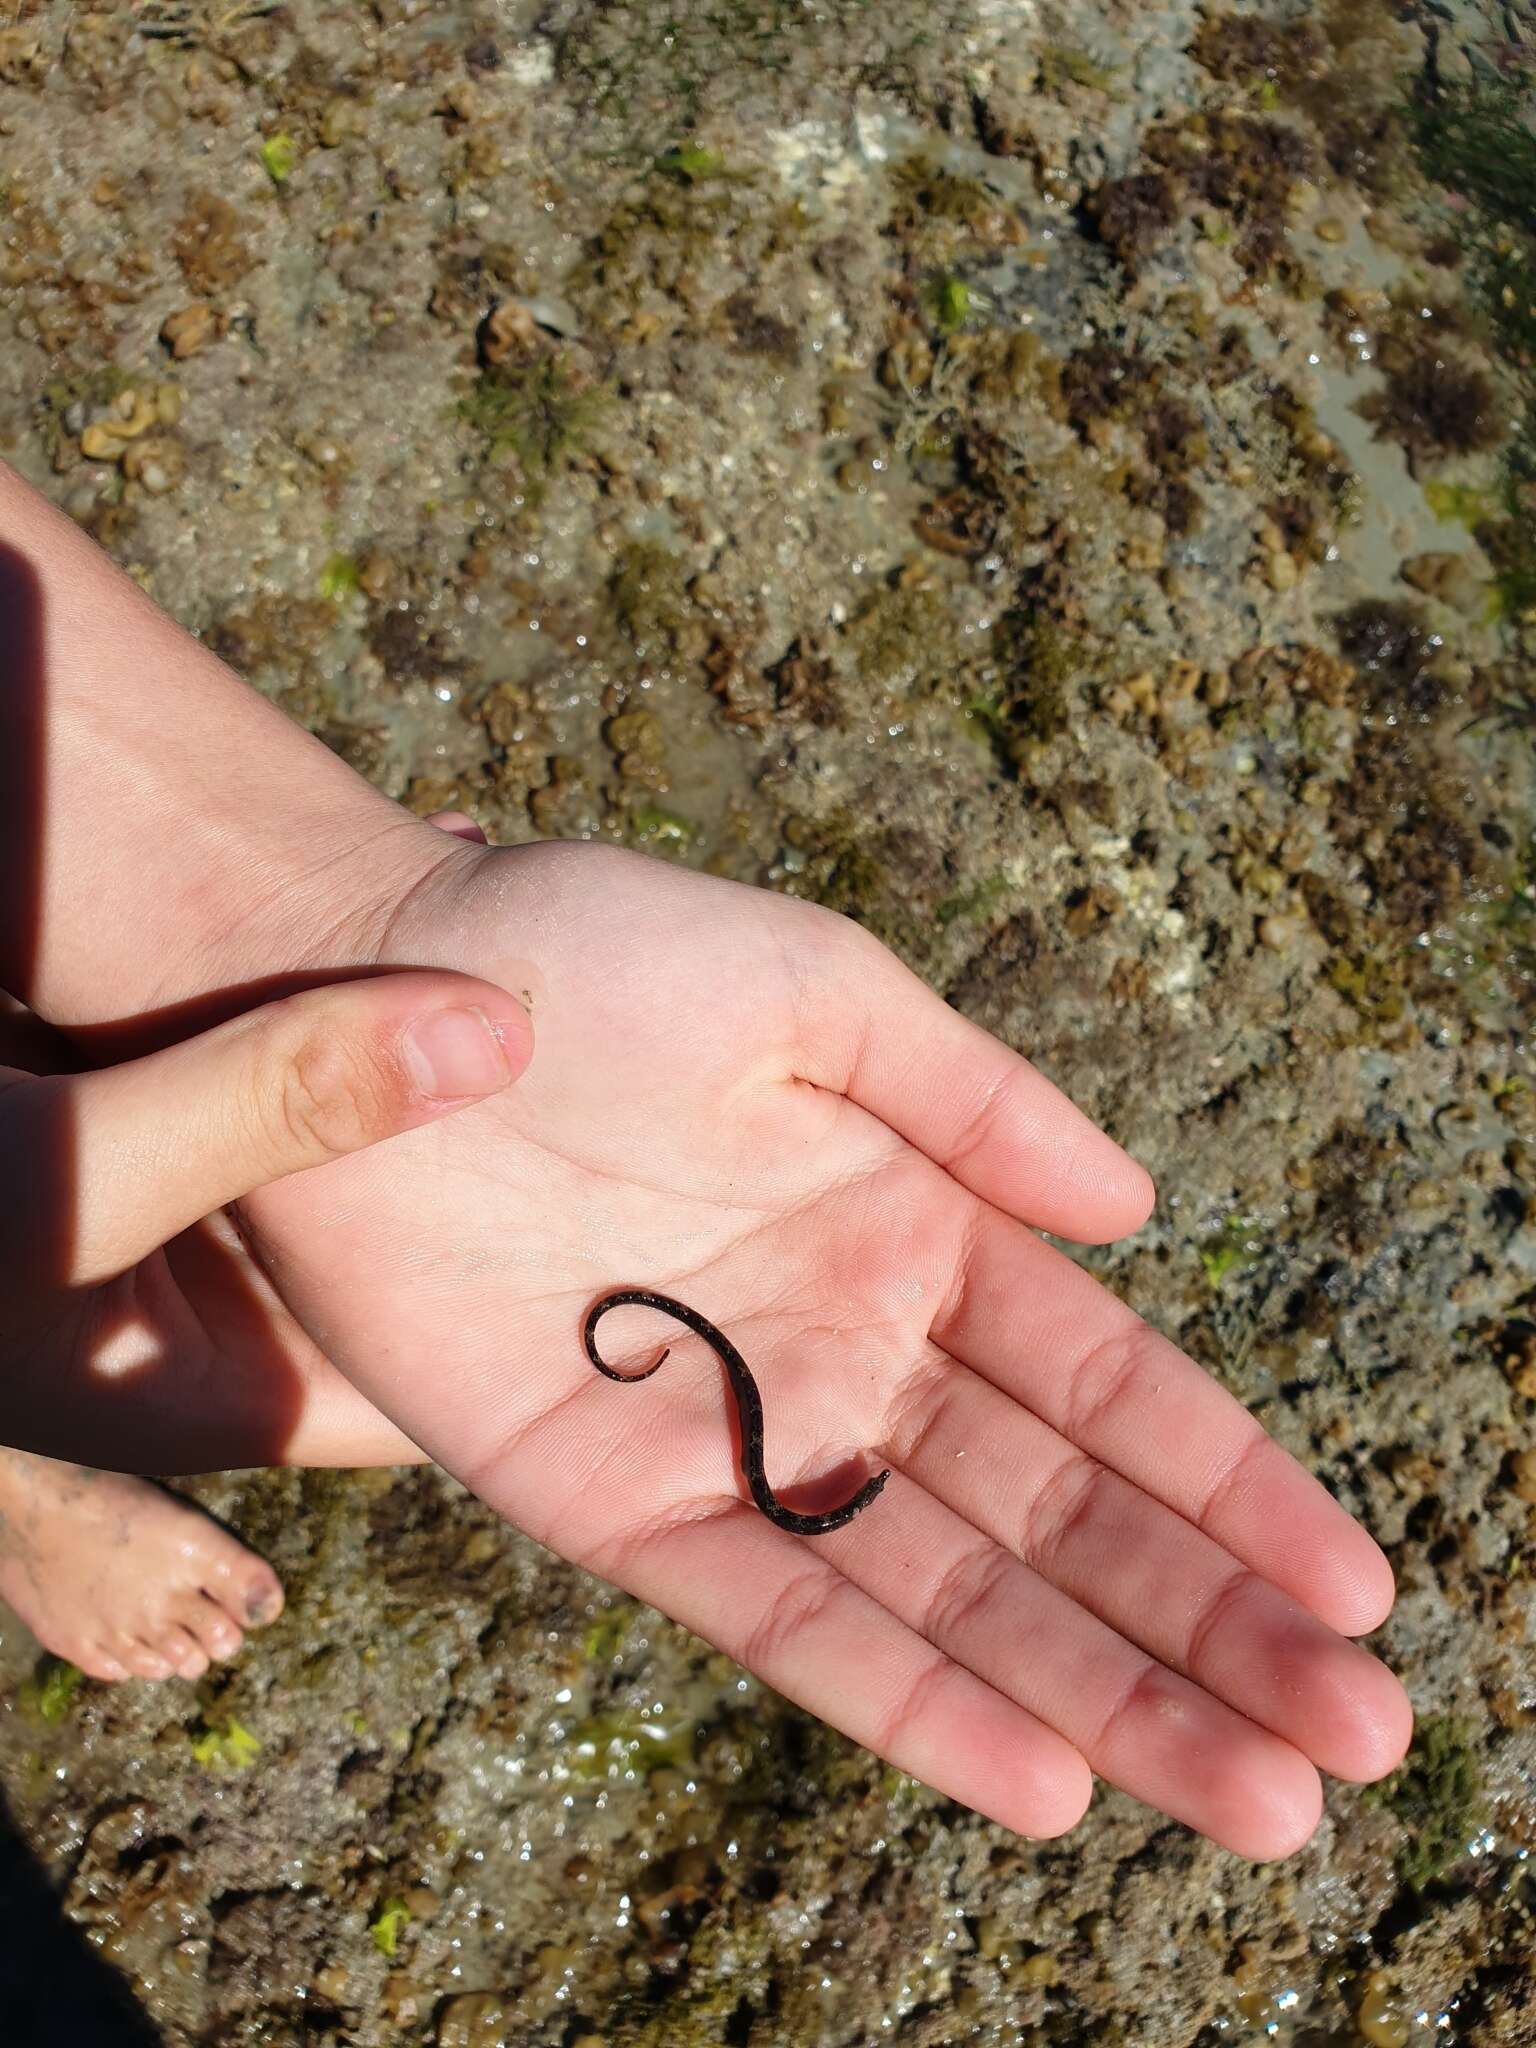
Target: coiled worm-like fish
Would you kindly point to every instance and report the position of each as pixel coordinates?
(749, 1404)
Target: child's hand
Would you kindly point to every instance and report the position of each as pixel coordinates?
(1087, 1549)
(133, 1321)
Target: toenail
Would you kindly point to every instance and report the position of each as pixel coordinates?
(259, 1605)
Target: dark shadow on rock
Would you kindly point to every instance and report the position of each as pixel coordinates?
(55, 1991)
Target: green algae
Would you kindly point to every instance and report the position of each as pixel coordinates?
(225, 1746)
(1061, 65)
(854, 884)
(973, 903)
(1512, 912)
(845, 868)
(50, 1692)
(901, 1789)
(1476, 139)
(1514, 589)
(624, 1745)
(1371, 985)
(987, 714)
(852, 880)
(649, 591)
(394, 1916)
(545, 413)
(902, 637)
(1437, 1794)
(606, 1633)
(1457, 504)
(651, 237)
(1229, 1249)
(1511, 544)
(941, 214)
(650, 825)
(279, 157)
(1029, 705)
(950, 301)
(690, 162)
(340, 577)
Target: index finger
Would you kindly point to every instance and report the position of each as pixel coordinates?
(878, 1034)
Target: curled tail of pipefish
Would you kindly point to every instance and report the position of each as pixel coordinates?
(749, 1404)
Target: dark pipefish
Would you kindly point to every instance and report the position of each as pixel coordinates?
(749, 1405)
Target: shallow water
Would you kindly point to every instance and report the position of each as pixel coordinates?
(1055, 483)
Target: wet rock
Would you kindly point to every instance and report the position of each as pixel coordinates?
(1281, 570)
(508, 333)
(333, 1983)
(341, 119)
(1448, 576)
(158, 463)
(189, 330)
(209, 244)
(402, 2001)
(1034, 648)
(1135, 215)
(476, 2019)
(1381, 2016)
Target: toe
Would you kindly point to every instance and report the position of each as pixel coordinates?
(68, 1649)
(183, 1652)
(102, 1664)
(146, 1661)
(261, 1595)
(253, 1595)
(209, 1626)
(242, 1583)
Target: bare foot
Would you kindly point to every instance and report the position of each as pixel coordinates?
(120, 1577)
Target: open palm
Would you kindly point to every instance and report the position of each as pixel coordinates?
(1088, 1554)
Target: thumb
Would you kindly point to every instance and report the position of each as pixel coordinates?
(138, 1152)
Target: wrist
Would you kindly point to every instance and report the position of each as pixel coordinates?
(259, 920)
(174, 846)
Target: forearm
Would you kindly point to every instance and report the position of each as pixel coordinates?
(166, 832)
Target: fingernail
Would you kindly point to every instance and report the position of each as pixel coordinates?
(455, 1054)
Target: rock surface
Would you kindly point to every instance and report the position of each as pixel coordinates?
(1055, 482)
